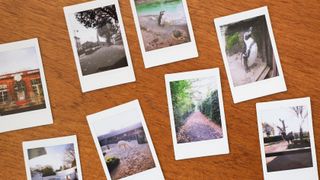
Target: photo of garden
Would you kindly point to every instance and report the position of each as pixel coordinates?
(126, 150)
(249, 51)
(53, 163)
(162, 23)
(196, 109)
(286, 138)
(98, 40)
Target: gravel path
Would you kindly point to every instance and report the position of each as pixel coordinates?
(198, 128)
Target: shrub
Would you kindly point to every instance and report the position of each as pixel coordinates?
(232, 40)
(210, 107)
(112, 162)
(47, 171)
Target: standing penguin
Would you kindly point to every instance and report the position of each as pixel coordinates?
(160, 18)
(251, 50)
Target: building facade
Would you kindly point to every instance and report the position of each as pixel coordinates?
(21, 91)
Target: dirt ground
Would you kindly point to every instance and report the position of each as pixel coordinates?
(238, 73)
(156, 37)
(135, 159)
(198, 128)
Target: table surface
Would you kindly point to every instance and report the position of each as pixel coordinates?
(296, 26)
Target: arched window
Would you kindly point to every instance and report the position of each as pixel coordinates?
(20, 90)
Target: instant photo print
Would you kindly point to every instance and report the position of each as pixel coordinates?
(196, 114)
(124, 144)
(164, 31)
(55, 158)
(286, 139)
(24, 100)
(99, 44)
(250, 54)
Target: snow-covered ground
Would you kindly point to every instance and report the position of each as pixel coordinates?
(61, 175)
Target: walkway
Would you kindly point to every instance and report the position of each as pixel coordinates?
(198, 128)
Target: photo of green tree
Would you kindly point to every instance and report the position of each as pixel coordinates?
(196, 109)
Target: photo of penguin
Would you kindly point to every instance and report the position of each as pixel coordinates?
(249, 50)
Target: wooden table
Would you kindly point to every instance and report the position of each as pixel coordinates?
(296, 26)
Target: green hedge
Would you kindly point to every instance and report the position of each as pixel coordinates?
(210, 107)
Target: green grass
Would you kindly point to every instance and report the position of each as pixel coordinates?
(232, 40)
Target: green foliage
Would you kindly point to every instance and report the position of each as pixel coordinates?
(48, 171)
(232, 40)
(112, 162)
(181, 101)
(210, 107)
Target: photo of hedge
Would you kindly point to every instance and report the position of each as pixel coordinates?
(196, 109)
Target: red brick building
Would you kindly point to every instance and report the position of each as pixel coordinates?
(21, 91)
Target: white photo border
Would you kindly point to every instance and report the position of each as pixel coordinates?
(51, 142)
(153, 173)
(107, 78)
(170, 54)
(255, 89)
(302, 173)
(31, 118)
(201, 148)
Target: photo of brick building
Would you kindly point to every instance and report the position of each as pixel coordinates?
(20, 92)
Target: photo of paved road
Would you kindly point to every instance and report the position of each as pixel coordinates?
(105, 58)
(98, 40)
(286, 138)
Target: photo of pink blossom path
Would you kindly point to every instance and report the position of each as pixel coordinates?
(198, 128)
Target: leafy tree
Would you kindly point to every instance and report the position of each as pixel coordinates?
(47, 171)
(181, 100)
(104, 19)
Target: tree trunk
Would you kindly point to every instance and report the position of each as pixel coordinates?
(301, 134)
(108, 39)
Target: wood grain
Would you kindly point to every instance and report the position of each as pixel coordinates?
(296, 25)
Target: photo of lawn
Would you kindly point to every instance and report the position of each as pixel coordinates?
(125, 148)
(196, 109)
(286, 138)
(53, 163)
(249, 50)
(162, 23)
(98, 40)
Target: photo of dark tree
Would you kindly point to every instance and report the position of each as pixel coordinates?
(98, 40)
(196, 109)
(286, 138)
